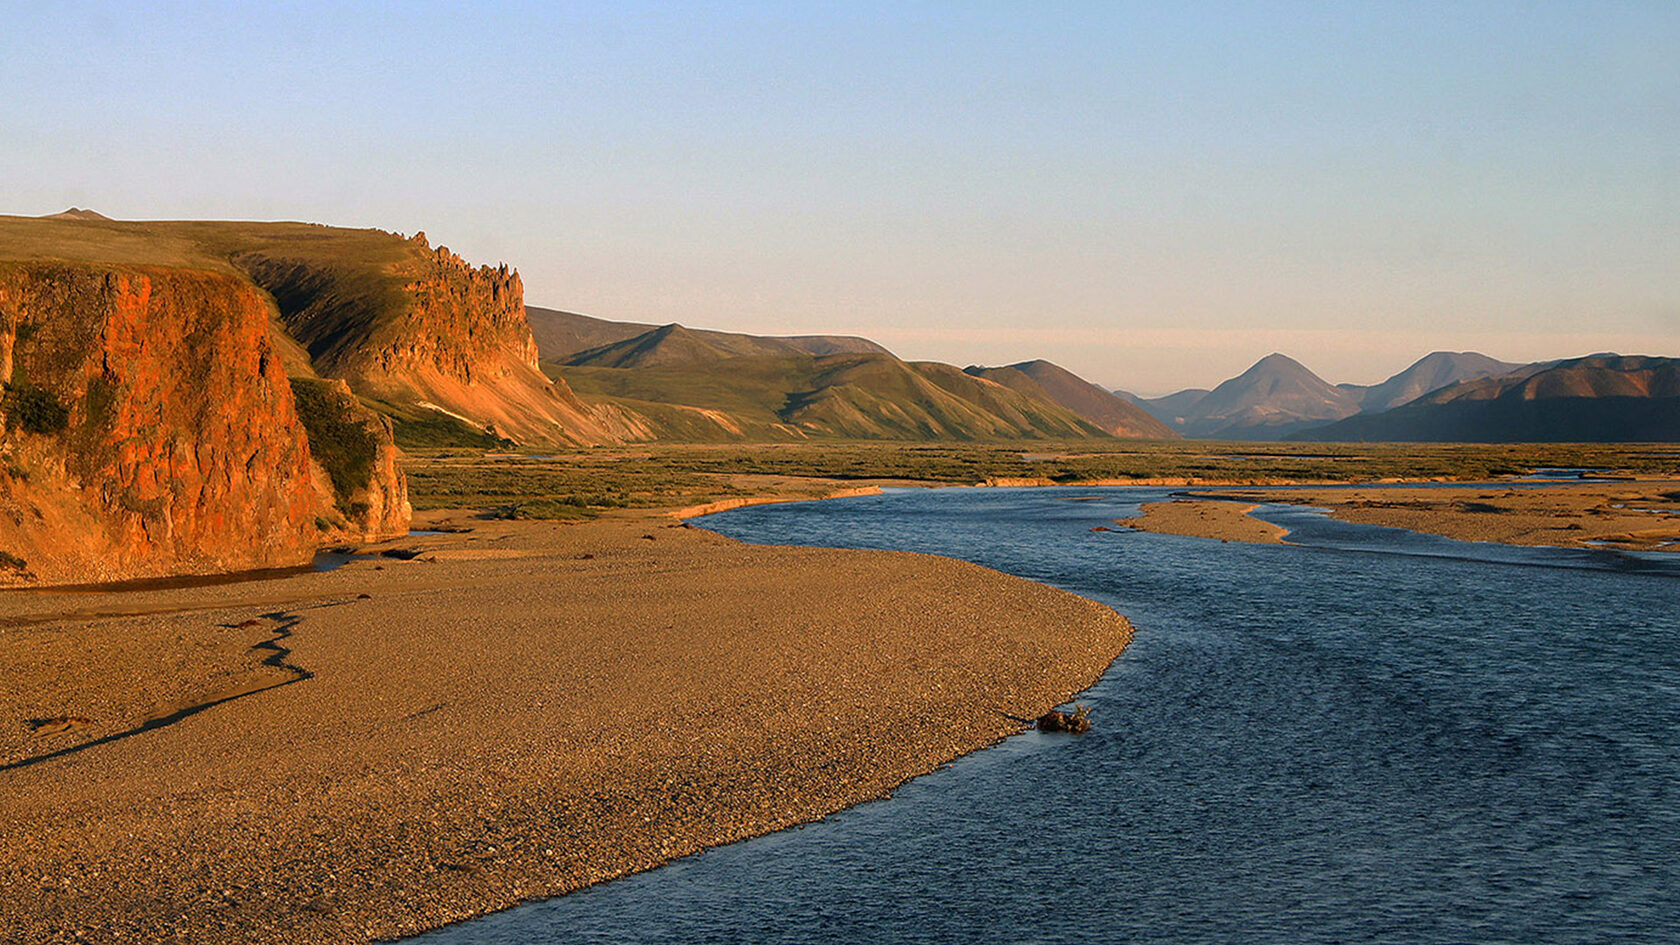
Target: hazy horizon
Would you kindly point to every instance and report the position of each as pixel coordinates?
(1153, 198)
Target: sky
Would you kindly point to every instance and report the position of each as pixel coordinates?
(1154, 195)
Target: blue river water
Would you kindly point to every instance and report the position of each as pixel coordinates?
(1367, 736)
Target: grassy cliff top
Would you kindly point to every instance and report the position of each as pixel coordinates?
(332, 285)
(197, 244)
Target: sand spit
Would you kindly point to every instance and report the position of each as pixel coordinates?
(513, 712)
(1204, 518)
(1633, 515)
(724, 505)
(1149, 481)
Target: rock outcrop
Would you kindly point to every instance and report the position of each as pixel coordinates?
(428, 331)
(149, 429)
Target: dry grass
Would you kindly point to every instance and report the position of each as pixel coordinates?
(584, 483)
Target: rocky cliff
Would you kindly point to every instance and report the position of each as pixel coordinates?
(419, 329)
(149, 429)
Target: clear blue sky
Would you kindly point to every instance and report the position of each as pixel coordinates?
(1153, 194)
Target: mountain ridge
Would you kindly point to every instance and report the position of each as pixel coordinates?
(1278, 396)
(562, 335)
(1597, 398)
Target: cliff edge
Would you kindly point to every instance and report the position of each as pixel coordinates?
(418, 329)
(148, 428)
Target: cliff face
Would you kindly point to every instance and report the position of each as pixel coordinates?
(150, 429)
(463, 321)
(429, 331)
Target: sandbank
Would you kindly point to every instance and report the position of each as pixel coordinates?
(1205, 518)
(512, 712)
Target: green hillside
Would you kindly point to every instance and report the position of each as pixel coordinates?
(692, 390)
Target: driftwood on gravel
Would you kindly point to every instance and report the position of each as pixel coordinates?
(1079, 720)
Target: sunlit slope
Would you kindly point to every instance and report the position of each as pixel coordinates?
(689, 386)
(1114, 414)
(415, 330)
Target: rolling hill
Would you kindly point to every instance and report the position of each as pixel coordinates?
(1114, 414)
(561, 336)
(702, 385)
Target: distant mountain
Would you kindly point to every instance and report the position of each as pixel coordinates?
(702, 385)
(1172, 409)
(1270, 400)
(77, 213)
(1601, 398)
(562, 336)
(1111, 412)
(1433, 371)
(559, 335)
(1278, 396)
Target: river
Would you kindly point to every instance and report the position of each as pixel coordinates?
(1367, 736)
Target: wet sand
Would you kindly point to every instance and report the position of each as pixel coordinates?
(514, 712)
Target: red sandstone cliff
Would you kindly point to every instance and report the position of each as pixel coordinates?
(149, 429)
(430, 331)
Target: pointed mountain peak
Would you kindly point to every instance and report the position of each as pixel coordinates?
(1277, 361)
(77, 213)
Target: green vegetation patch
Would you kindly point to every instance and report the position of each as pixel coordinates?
(344, 446)
(428, 429)
(560, 507)
(574, 486)
(33, 410)
(584, 483)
